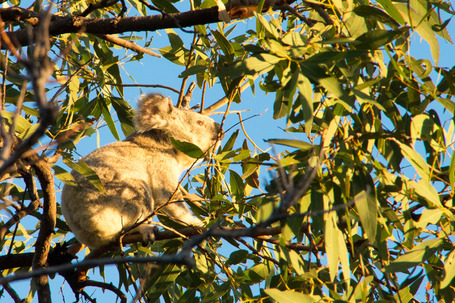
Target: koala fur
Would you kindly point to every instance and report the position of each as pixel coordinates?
(138, 174)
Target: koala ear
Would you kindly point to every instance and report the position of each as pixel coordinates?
(161, 106)
(153, 112)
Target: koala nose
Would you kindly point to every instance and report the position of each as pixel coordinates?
(219, 130)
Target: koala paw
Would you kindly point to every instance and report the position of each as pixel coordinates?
(147, 232)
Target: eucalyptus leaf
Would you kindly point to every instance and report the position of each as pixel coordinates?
(188, 148)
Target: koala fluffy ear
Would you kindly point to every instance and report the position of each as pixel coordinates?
(153, 112)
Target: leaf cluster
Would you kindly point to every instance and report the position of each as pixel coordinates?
(362, 195)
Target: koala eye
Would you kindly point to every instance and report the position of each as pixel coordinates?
(200, 122)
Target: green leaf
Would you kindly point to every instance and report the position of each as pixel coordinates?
(166, 5)
(161, 280)
(318, 74)
(124, 114)
(266, 208)
(231, 141)
(293, 259)
(448, 104)
(366, 99)
(63, 175)
(29, 131)
(193, 70)
(422, 68)
(415, 256)
(258, 273)
(269, 27)
(427, 191)
(236, 257)
(452, 171)
(224, 44)
(367, 207)
(306, 99)
(418, 19)
(21, 125)
(429, 216)
(289, 296)
(415, 159)
(280, 106)
(449, 269)
(331, 234)
(188, 148)
(362, 289)
(292, 143)
(422, 127)
(375, 13)
(390, 8)
(85, 171)
(176, 52)
(254, 65)
(237, 186)
(108, 118)
(375, 39)
(294, 39)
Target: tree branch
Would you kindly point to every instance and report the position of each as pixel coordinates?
(75, 24)
(127, 44)
(31, 208)
(12, 293)
(107, 286)
(25, 260)
(43, 242)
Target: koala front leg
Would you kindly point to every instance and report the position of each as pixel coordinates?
(179, 211)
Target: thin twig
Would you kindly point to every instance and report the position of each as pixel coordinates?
(143, 85)
(319, 8)
(128, 44)
(189, 93)
(224, 100)
(31, 208)
(309, 22)
(176, 21)
(107, 286)
(256, 252)
(12, 293)
(185, 79)
(248, 137)
(94, 6)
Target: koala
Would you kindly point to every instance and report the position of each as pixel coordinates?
(138, 174)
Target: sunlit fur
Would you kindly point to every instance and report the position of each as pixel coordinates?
(138, 174)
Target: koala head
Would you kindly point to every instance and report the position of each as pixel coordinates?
(156, 112)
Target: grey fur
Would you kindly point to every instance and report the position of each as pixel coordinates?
(138, 174)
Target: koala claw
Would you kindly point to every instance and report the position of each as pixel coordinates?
(148, 234)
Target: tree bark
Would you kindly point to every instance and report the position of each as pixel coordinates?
(43, 243)
(76, 24)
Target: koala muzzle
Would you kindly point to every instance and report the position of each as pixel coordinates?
(220, 132)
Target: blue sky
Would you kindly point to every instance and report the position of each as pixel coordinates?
(153, 70)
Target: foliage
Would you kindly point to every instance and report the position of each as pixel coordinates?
(362, 196)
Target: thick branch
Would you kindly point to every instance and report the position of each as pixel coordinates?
(74, 24)
(25, 260)
(90, 263)
(43, 242)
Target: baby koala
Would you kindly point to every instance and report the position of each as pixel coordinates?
(138, 174)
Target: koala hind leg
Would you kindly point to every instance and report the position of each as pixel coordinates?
(179, 212)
